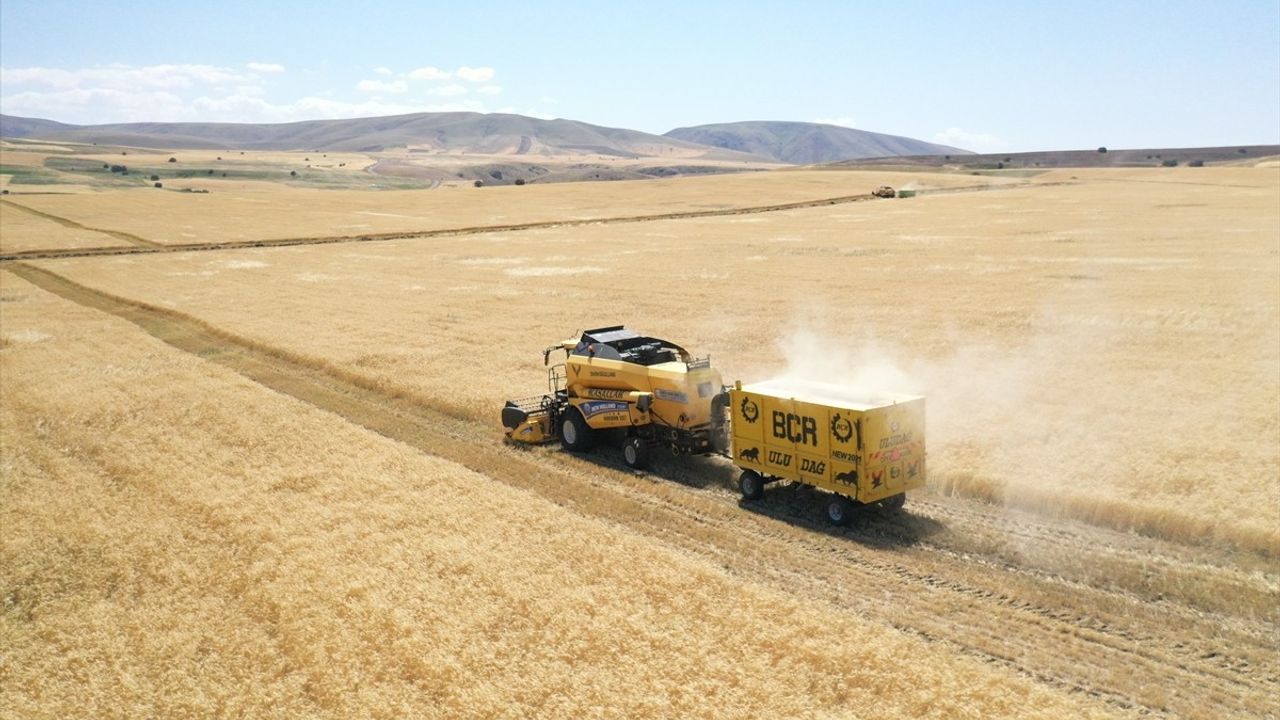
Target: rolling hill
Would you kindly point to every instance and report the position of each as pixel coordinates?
(19, 127)
(804, 143)
(450, 132)
(494, 134)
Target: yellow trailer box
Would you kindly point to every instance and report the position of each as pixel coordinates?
(867, 447)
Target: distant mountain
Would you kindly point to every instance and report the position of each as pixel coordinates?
(804, 143)
(461, 131)
(20, 127)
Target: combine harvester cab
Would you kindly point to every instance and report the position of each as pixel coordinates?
(651, 392)
(862, 448)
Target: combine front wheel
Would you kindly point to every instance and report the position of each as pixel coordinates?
(575, 434)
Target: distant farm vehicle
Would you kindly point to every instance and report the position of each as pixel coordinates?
(884, 191)
(644, 393)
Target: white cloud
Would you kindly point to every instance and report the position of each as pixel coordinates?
(480, 74)
(383, 71)
(265, 68)
(123, 77)
(395, 87)
(207, 93)
(978, 142)
(448, 91)
(97, 105)
(842, 121)
(429, 73)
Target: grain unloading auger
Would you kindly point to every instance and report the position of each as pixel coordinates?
(644, 394)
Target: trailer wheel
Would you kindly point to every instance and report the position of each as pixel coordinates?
(839, 509)
(575, 434)
(635, 453)
(894, 503)
(751, 485)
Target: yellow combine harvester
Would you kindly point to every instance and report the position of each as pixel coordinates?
(649, 393)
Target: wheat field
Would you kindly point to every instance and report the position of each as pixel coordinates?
(181, 542)
(22, 230)
(261, 211)
(271, 481)
(1071, 339)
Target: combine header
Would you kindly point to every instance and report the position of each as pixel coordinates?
(644, 393)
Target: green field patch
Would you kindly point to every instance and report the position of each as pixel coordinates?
(27, 175)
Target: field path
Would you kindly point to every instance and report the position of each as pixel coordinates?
(1072, 606)
(146, 246)
(127, 237)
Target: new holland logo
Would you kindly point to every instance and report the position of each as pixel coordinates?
(841, 428)
(595, 407)
(750, 410)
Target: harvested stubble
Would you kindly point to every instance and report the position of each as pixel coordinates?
(178, 542)
(1107, 349)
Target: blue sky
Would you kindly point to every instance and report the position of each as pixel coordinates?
(993, 76)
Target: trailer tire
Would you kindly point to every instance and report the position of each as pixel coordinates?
(839, 509)
(751, 485)
(635, 453)
(894, 503)
(575, 434)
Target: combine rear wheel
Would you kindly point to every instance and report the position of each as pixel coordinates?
(751, 485)
(575, 434)
(635, 453)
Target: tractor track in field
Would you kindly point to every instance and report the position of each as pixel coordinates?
(131, 239)
(1003, 587)
(140, 245)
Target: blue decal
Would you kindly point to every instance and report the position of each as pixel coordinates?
(595, 407)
